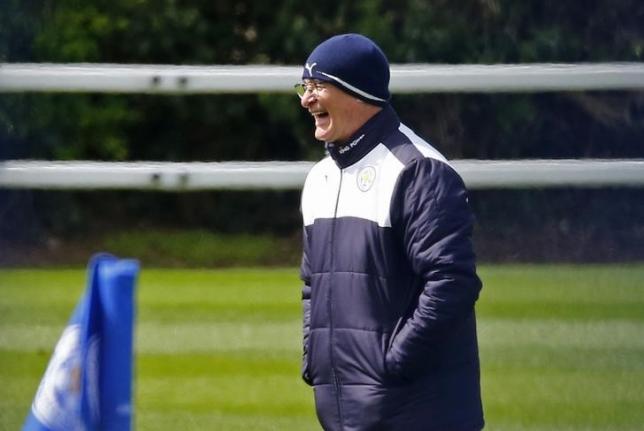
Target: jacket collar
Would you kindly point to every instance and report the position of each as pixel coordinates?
(364, 139)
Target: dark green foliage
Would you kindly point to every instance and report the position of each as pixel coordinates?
(560, 225)
(273, 126)
(262, 127)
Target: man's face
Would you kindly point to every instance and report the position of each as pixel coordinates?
(333, 111)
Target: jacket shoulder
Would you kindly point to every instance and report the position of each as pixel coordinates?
(408, 147)
(427, 175)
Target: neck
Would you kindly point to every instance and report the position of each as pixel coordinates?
(362, 115)
(377, 128)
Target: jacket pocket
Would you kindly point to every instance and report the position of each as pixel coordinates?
(306, 361)
(397, 328)
(393, 373)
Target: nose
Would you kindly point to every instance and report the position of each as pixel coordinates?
(307, 99)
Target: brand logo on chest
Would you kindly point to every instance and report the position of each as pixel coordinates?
(366, 178)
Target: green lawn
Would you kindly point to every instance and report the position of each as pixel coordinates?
(562, 347)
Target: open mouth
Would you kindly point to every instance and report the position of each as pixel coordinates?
(321, 117)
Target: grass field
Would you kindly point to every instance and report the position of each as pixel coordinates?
(562, 347)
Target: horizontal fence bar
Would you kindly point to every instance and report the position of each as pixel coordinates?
(405, 78)
(162, 176)
(177, 177)
(515, 174)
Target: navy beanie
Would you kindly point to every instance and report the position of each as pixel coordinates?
(355, 64)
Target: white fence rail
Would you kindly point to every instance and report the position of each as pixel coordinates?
(160, 176)
(405, 78)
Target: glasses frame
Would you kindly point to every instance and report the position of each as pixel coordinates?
(314, 87)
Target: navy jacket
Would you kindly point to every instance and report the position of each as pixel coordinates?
(389, 286)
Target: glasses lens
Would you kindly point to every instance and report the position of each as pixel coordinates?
(300, 89)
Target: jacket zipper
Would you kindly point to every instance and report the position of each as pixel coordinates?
(336, 379)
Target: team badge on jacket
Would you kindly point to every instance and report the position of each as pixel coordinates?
(366, 178)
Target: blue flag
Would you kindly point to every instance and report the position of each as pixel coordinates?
(88, 382)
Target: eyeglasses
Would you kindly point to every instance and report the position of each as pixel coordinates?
(313, 87)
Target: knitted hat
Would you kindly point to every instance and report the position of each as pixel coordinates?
(353, 63)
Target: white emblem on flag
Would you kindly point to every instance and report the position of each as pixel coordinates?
(366, 178)
(57, 402)
(58, 398)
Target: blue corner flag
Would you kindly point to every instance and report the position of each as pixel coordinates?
(88, 382)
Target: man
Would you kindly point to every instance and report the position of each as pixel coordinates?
(388, 268)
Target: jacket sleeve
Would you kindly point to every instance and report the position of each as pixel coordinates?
(434, 222)
(306, 310)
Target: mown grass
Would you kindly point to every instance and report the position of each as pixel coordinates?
(562, 347)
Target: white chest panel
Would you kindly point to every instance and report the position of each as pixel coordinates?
(363, 190)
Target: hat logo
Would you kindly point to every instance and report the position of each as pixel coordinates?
(366, 178)
(310, 67)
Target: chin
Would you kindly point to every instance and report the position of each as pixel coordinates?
(322, 136)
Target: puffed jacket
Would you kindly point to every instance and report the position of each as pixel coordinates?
(390, 284)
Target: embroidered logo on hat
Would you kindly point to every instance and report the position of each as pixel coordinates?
(310, 67)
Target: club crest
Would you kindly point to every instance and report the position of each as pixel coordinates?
(59, 391)
(366, 178)
(58, 401)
